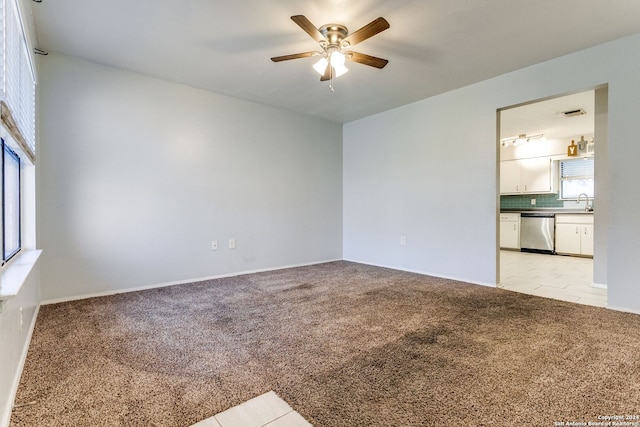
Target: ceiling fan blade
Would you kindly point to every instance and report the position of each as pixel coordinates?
(365, 59)
(371, 29)
(308, 27)
(327, 74)
(295, 56)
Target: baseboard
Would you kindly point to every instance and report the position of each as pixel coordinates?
(622, 309)
(425, 273)
(16, 379)
(177, 282)
(599, 285)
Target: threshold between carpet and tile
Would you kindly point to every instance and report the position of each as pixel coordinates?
(267, 410)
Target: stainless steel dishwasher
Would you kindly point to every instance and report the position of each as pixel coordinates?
(537, 232)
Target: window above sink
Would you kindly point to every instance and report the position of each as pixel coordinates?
(576, 177)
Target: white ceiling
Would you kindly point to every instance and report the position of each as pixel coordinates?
(546, 117)
(225, 46)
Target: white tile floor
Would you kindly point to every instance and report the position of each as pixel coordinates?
(266, 410)
(552, 276)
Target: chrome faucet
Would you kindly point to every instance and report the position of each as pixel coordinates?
(587, 207)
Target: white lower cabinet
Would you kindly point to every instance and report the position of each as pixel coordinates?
(510, 230)
(574, 234)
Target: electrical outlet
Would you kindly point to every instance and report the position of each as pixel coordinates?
(403, 241)
(214, 245)
(232, 243)
(533, 201)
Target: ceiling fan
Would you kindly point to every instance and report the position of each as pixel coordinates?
(334, 40)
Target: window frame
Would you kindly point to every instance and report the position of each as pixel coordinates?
(562, 179)
(7, 151)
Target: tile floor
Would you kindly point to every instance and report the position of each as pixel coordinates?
(267, 410)
(552, 276)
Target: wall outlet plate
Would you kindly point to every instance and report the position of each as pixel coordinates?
(533, 201)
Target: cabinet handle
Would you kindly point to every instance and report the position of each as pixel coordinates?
(514, 227)
(525, 187)
(585, 230)
(517, 187)
(577, 230)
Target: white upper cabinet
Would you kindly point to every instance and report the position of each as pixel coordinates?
(509, 177)
(526, 176)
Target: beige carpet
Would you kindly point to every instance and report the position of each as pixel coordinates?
(344, 344)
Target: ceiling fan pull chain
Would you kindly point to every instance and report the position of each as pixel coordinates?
(330, 77)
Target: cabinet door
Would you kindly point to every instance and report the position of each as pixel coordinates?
(568, 238)
(535, 175)
(509, 177)
(509, 235)
(586, 239)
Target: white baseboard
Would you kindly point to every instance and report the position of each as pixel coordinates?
(177, 282)
(4, 422)
(425, 273)
(624, 310)
(598, 285)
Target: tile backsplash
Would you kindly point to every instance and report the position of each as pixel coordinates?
(523, 201)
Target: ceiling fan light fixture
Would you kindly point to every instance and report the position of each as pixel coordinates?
(340, 70)
(321, 65)
(337, 58)
(337, 62)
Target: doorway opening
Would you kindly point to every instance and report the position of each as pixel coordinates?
(550, 238)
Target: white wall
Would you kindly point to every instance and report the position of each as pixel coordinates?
(15, 333)
(139, 175)
(18, 315)
(400, 179)
(428, 171)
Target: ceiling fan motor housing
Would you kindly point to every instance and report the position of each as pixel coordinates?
(334, 33)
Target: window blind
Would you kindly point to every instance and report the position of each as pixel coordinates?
(2, 44)
(580, 168)
(18, 80)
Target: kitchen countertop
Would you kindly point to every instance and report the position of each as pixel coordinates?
(548, 210)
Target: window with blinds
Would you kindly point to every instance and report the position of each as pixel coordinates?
(17, 77)
(577, 177)
(17, 115)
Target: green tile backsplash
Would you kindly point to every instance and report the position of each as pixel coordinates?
(523, 201)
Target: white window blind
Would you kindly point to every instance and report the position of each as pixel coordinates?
(18, 80)
(576, 177)
(2, 48)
